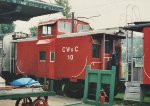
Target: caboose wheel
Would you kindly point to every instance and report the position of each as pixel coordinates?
(74, 90)
(24, 102)
(39, 102)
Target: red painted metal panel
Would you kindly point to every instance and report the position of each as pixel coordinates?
(146, 71)
(26, 58)
(72, 55)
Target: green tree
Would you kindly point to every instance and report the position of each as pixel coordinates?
(67, 7)
(137, 48)
(33, 30)
(7, 28)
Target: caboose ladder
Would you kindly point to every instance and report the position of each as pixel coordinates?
(133, 90)
(129, 56)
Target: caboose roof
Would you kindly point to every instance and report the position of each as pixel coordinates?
(117, 32)
(138, 26)
(61, 19)
(11, 10)
(25, 40)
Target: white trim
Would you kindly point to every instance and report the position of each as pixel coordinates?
(42, 60)
(47, 23)
(44, 41)
(24, 40)
(75, 76)
(50, 56)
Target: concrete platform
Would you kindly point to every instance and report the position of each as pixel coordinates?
(62, 101)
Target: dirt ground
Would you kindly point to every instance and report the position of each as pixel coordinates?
(53, 101)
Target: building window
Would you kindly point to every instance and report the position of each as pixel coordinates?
(83, 28)
(42, 56)
(52, 56)
(47, 30)
(64, 27)
(107, 46)
(95, 50)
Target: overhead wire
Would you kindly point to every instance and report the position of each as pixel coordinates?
(90, 17)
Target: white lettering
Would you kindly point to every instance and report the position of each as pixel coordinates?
(70, 49)
(63, 49)
(76, 49)
(70, 57)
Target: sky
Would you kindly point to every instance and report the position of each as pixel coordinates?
(110, 13)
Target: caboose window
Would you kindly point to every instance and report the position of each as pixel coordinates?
(42, 56)
(82, 28)
(46, 30)
(52, 56)
(107, 46)
(64, 27)
(95, 50)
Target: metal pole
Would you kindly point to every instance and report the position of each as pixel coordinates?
(72, 22)
(103, 51)
(51, 85)
(44, 83)
(132, 56)
(10, 58)
(15, 58)
(127, 71)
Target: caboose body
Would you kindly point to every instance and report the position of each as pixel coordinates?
(63, 56)
(57, 52)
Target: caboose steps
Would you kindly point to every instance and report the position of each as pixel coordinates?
(133, 84)
(133, 92)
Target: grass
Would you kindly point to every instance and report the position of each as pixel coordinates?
(120, 102)
(147, 97)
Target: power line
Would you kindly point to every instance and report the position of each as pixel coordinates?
(90, 17)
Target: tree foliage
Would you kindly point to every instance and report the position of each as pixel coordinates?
(67, 7)
(33, 30)
(7, 28)
(137, 48)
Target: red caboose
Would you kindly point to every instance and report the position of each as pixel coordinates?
(61, 55)
(137, 64)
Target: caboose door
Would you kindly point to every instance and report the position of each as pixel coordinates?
(43, 67)
(46, 55)
(96, 54)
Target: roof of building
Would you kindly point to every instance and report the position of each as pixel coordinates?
(11, 10)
